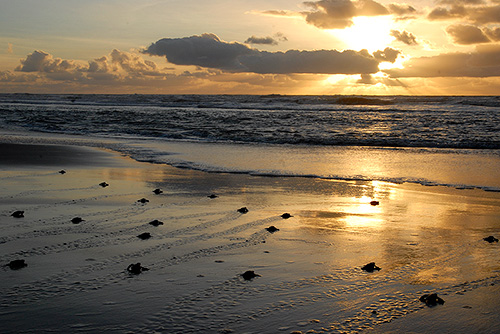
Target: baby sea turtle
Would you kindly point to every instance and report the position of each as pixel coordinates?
(286, 215)
(157, 191)
(490, 239)
(18, 214)
(62, 171)
(249, 274)
(136, 268)
(77, 220)
(144, 236)
(431, 299)
(370, 267)
(103, 184)
(212, 196)
(155, 222)
(143, 200)
(16, 264)
(374, 203)
(272, 229)
(242, 210)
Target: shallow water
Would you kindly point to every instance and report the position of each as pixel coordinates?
(424, 239)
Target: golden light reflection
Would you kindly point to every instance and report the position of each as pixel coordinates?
(361, 213)
(361, 210)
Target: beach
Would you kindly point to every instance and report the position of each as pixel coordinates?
(424, 240)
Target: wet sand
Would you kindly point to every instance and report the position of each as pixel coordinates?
(425, 239)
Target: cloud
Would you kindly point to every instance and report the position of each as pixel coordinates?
(281, 37)
(461, 2)
(261, 40)
(480, 14)
(467, 34)
(130, 72)
(388, 54)
(278, 37)
(206, 50)
(483, 62)
(318, 62)
(125, 66)
(40, 61)
(406, 37)
(210, 51)
(118, 65)
(493, 34)
(443, 13)
(107, 75)
(339, 14)
(366, 79)
(331, 14)
(279, 13)
(401, 9)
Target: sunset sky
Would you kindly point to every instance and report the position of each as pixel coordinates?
(424, 47)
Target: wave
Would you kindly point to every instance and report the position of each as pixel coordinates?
(389, 121)
(355, 178)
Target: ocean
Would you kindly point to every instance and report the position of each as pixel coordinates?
(430, 140)
(335, 164)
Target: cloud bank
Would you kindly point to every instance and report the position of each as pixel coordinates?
(208, 50)
(483, 62)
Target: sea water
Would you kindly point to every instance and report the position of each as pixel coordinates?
(438, 140)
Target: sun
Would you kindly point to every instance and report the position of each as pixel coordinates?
(368, 32)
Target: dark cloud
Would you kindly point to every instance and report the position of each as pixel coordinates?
(484, 62)
(388, 54)
(467, 34)
(443, 13)
(261, 40)
(401, 9)
(485, 15)
(366, 79)
(278, 37)
(477, 14)
(331, 14)
(206, 50)
(370, 8)
(339, 14)
(209, 51)
(319, 62)
(406, 37)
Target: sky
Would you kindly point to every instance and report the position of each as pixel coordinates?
(414, 47)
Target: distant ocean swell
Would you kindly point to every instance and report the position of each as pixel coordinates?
(392, 121)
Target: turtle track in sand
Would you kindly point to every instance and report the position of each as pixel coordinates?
(70, 281)
(229, 304)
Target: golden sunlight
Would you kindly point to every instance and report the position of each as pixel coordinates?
(368, 32)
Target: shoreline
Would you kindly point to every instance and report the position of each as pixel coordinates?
(424, 238)
(460, 170)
